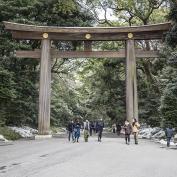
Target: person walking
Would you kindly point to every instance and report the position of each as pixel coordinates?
(135, 130)
(118, 129)
(114, 128)
(91, 127)
(77, 127)
(70, 129)
(169, 134)
(100, 126)
(86, 130)
(128, 129)
(95, 126)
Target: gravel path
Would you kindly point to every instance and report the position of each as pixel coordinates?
(111, 158)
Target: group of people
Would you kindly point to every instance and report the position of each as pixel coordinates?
(127, 129)
(134, 128)
(74, 128)
(131, 128)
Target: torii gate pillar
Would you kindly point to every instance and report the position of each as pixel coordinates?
(45, 88)
(131, 82)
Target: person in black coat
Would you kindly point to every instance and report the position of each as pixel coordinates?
(169, 134)
(118, 128)
(99, 127)
(91, 126)
(128, 129)
(70, 129)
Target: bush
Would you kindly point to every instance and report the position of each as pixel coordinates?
(56, 129)
(2, 122)
(9, 134)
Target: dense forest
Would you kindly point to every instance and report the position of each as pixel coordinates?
(88, 88)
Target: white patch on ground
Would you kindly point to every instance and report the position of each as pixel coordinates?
(162, 141)
(3, 139)
(157, 134)
(25, 132)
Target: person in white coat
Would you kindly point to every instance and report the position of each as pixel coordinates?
(135, 130)
(86, 130)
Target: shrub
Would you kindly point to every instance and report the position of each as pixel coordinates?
(9, 134)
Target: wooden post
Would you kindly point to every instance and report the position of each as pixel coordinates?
(135, 94)
(129, 79)
(45, 88)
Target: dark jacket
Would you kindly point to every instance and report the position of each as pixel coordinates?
(118, 126)
(70, 126)
(77, 126)
(169, 132)
(100, 126)
(128, 129)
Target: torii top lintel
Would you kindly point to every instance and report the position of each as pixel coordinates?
(145, 32)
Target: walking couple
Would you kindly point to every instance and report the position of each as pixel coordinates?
(99, 129)
(74, 130)
(131, 128)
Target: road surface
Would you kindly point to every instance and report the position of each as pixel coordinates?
(111, 158)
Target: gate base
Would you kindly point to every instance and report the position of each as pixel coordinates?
(40, 137)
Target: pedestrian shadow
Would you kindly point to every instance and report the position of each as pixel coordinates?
(5, 144)
(165, 147)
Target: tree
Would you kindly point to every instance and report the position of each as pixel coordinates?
(149, 88)
(20, 77)
(169, 96)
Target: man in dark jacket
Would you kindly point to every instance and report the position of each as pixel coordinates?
(91, 127)
(99, 127)
(169, 134)
(128, 129)
(70, 129)
(118, 128)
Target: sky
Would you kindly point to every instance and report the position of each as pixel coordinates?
(110, 15)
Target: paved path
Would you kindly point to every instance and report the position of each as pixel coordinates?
(110, 158)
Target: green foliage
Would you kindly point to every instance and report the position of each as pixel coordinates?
(172, 34)
(9, 134)
(169, 104)
(169, 95)
(103, 90)
(19, 78)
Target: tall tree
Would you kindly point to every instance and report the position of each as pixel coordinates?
(20, 77)
(138, 13)
(169, 96)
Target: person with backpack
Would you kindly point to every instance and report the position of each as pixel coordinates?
(169, 134)
(135, 130)
(77, 127)
(100, 126)
(128, 129)
(86, 130)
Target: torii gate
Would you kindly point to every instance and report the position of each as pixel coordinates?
(86, 34)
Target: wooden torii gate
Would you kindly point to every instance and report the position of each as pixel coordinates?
(86, 34)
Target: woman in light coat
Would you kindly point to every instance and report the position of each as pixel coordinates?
(135, 130)
(86, 130)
